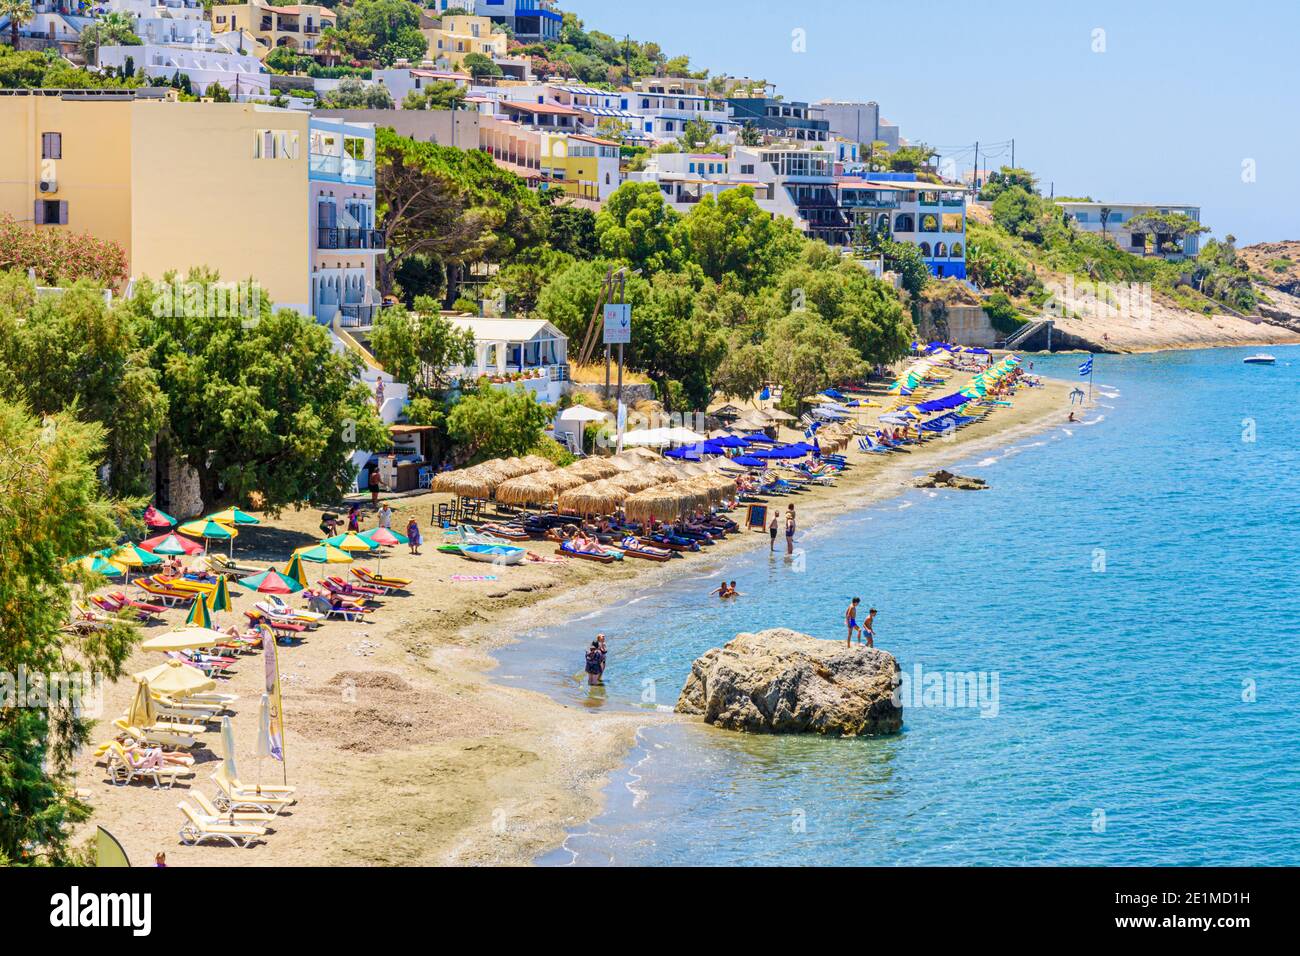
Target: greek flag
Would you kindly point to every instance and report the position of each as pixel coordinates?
(1085, 367)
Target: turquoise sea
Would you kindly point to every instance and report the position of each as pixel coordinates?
(1131, 584)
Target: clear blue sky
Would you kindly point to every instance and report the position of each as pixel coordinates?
(1184, 93)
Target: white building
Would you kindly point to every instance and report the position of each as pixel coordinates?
(521, 353)
(663, 116)
(401, 80)
(242, 75)
(529, 20)
(1112, 220)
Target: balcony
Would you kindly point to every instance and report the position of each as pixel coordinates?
(355, 315)
(345, 167)
(338, 237)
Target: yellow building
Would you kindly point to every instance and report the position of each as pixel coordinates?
(177, 185)
(297, 27)
(458, 36)
(587, 166)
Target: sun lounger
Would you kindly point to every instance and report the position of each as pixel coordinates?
(340, 585)
(186, 585)
(125, 765)
(221, 564)
(168, 595)
(366, 576)
(256, 818)
(232, 796)
(198, 828)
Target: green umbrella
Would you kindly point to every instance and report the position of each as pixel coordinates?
(206, 529)
(97, 563)
(270, 581)
(351, 541)
(171, 545)
(199, 615)
(295, 570)
(220, 599)
(233, 516)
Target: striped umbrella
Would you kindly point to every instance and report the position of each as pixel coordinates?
(130, 556)
(233, 516)
(295, 570)
(211, 530)
(219, 599)
(157, 518)
(199, 615)
(171, 544)
(96, 563)
(186, 639)
(383, 536)
(270, 581)
(351, 541)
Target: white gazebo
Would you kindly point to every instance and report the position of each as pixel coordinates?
(528, 352)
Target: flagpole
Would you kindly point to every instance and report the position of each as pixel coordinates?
(1090, 364)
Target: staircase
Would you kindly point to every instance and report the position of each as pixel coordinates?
(1030, 332)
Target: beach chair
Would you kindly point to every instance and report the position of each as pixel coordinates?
(171, 708)
(231, 796)
(125, 766)
(198, 828)
(338, 585)
(155, 736)
(168, 595)
(368, 577)
(256, 818)
(152, 610)
(220, 564)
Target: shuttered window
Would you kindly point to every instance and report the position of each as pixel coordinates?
(51, 146)
(50, 212)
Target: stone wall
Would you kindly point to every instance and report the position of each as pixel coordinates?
(959, 324)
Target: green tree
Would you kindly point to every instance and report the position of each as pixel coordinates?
(53, 509)
(569, 298)
(481, 66)
(497, 423)
(382, 30)
(865, 310)
(420, 347)
(730, 235)
(637, 226)
(520, 283)
(1004, 179)
(217, 93)
(441, 95)
(1165, 228)
(741, 375)
(354, 93)
(805, 355)
(112, 29)
(19, 13)
(74, 353)
(677, 348)
(570, 228)
(1017, 211)
(258, 399)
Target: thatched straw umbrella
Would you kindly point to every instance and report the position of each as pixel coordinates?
(531, 489)
(476, 482)
(538, 463)
(594, 469)
(562, 480)
(664, 502)
(594, 498)
(634, 481)
(646, 453)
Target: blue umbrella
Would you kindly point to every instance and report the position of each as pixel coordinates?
(727, 441)
(758, 438)
(686, 452)
(749, 461)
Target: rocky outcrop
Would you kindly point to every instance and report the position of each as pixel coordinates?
(782, 682)
(946, 479)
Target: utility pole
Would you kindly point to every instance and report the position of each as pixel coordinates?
(1013, 153)
(976, 177)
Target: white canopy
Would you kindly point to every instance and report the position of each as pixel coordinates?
(581, 413)
(662, 436)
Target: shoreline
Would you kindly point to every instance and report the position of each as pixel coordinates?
(405, 746)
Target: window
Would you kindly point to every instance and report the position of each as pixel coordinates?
(50, 212)
(275, 144)
(51, 146)
(746, 169)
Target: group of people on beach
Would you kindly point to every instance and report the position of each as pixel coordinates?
(789, 529)
(866, 629)
(595, 664)
(329, 525)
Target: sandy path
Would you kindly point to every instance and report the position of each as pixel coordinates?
(403, 749)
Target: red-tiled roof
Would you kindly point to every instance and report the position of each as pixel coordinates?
(549, 108)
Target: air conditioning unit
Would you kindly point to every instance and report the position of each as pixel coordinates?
(49, 185)
(49, 176)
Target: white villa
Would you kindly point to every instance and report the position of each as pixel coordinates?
(1112, 218)
(528, 353)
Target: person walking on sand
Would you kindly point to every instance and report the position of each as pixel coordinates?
(386, 516)
(376, 486)
(789, 531)
(869, 629)
(354, 518)
(776, 525)
(413, 538)
(851, 621)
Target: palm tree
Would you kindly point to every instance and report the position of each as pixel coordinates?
(19, 12)
(330, 42)
(1105, 218)
(112, 29)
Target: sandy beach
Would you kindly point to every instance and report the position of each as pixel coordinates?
(403, 749)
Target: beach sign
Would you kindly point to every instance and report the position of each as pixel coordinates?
(756, 518)
(618, 323)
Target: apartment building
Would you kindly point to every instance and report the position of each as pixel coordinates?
(781, 119)
(456, 37)
(663, 116)
(265, 26)
(529, 20)
(240, 188)
(1112, 220)
(55, 25)
(930, 216)
(686, 178)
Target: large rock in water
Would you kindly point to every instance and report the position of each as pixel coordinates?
(782, 682)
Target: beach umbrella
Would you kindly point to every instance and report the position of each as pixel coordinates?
(228, 749)
(532, 489)
(143, 713)
(726, 441)
(219, 599)
(186, 639)
(749, 461)
(385, 536)
(130, 556)
(351, 541)
(596, 498)
(233, 515)
(295, 569)
(170, 544)
(96, 564)
(270, 581)
(199, 615)
(476, 482)
(175, 679)
(211, 531)
(156, 518)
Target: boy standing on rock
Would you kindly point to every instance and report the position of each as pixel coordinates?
(851, 620)
(869, 629)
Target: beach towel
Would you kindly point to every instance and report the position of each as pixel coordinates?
(473, 577)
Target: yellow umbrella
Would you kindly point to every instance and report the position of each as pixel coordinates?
(199, 615)
(233, 516)
(176, 679)
(295, 569)
(142, 714)
(350, 542)
(188, 639)
(207, 529)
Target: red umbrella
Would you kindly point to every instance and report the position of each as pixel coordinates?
(191, 547)
(157, 519)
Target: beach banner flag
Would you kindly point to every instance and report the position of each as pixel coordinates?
(273, 694)
(1085, 367)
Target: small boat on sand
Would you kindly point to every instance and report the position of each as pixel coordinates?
(494, 553)
(1261, 359)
